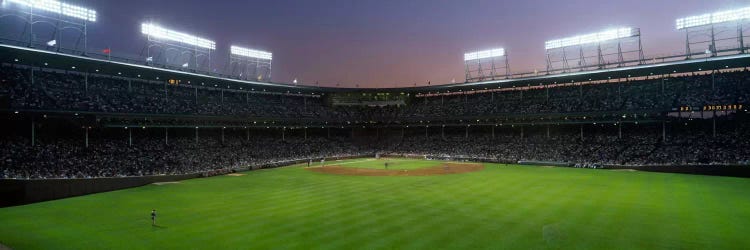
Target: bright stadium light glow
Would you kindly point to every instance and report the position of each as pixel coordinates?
(606, 35)
(713, 18)
(59, 8)
(240, 51)
(162, 33)
(484, 54)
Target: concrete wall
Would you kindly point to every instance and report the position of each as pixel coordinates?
(18, 192)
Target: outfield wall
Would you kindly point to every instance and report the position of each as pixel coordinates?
(18, 191)
(717, 170)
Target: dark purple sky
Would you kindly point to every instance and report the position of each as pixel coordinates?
(387, 43)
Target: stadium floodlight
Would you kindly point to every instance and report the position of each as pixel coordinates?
(484, 54)
(59, 8)
(713, 18)
(240, 51)
(478, 70)
(159, 32)
(250, 63)
(611, 34)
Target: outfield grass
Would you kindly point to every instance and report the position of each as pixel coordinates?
(503, 206)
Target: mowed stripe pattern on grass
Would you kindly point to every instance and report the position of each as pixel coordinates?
(503, 206)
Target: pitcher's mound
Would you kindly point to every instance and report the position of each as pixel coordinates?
(447, 168)
(235, 174)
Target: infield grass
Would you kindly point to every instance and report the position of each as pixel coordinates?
(503, 206)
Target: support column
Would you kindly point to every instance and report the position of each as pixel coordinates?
(222, 96)
(713, 125)
(130, 137)
(196, 95)
(222, 135)
(130, 86)
(713, 79)
(86, 83)
(662, 85)
(329, 132)
(283, 134)
(33, 133)
(166, 136)
(619, 130)
(86, 137)
(522, 130)
(493, 132)
(442, 132)
(247, 134)
(196, 135)
(467, 131)
(581, 132)
(580, 90)
(547, 131)
(402, 133)
(305, 133)
(663, 131)
(425, 131)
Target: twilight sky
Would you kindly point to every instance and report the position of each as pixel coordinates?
(387, 43)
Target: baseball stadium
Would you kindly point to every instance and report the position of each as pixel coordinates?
(187, 142)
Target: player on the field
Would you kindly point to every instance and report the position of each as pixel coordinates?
(153, 217)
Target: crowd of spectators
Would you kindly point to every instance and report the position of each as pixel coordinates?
(62, 157)
(631, 150)
(54, 90)
(114, 157)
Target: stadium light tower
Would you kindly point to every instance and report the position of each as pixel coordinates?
(617, 43)
(181, 43)
(61, 16)
(478, 63)
(250, 64)
(719, 28)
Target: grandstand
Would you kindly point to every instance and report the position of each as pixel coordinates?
(658, 111)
